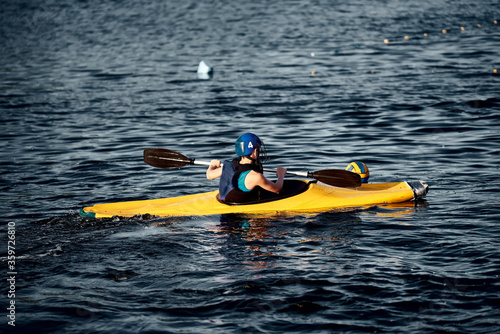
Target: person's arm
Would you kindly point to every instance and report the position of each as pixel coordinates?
(214, 170)
(254, 179)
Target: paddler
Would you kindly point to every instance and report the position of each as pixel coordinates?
(242, 179)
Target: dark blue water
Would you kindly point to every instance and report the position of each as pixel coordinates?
(86, 86)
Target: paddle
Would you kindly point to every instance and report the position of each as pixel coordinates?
(163, 158)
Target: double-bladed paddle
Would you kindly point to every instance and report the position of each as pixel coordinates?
(163, 158)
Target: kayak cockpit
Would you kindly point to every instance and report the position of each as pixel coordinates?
(290, 188)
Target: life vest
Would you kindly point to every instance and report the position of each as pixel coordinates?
(228, 186)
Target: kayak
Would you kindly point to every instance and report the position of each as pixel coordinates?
(296, 196)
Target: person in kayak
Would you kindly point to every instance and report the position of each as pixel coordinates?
(242, 179)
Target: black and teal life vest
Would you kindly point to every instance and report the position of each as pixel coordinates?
(228, 186)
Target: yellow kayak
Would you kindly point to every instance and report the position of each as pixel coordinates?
(298, 196)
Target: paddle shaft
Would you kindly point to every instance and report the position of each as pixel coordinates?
(163, 158)
(207, 163)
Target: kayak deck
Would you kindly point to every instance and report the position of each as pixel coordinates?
(317, 197)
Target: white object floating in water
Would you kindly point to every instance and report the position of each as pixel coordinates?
(205, 70)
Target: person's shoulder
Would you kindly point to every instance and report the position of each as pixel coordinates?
(256, 175)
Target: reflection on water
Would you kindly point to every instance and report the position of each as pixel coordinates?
(398, 210)
(264, 242)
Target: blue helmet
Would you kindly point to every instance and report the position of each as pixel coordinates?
(246, 143)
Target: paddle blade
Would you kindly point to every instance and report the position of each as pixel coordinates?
(337, 178)
(163, 158)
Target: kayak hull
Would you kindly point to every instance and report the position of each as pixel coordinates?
(318, 197)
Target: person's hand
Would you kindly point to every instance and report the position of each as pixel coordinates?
(214, 171)
(215, 164)
(280, 172)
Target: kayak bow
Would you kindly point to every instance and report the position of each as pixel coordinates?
(314, 197)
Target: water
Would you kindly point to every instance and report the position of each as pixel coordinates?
(86, 86)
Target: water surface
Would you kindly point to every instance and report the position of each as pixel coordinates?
(86, 86)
